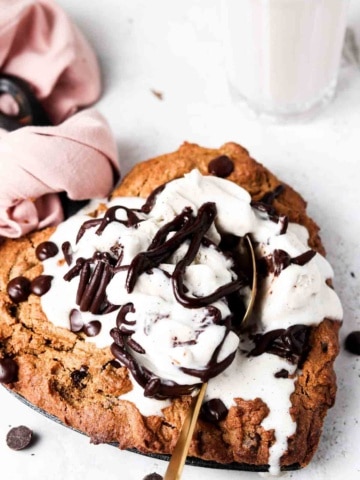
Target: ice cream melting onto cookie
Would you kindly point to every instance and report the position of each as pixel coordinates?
(164, 283)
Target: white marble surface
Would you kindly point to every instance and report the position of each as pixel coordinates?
(175, 48)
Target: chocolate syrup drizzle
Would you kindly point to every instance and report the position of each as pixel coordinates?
(186, 227)
(96, 272)
(109, 217)
(150, 201)
(269, 197)
(291, 343)
(273, 215)
(279, 260)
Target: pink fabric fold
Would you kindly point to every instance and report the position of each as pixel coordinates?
(40, 44)
(78, 156)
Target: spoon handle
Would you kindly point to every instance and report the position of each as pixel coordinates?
(178, 457)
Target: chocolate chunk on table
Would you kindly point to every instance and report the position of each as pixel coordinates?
(19, 438)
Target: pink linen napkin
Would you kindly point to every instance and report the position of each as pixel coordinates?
(40, 44)
(79, 156)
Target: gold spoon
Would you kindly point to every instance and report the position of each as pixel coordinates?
(178, 457)
(254, 281)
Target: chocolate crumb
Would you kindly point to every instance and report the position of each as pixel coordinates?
(153, 476)
(157, 94)
(19, 438)
(352, 342)
(352, 274)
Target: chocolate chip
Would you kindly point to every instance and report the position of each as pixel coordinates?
(19, 438)
(8, 370)
(46, 250)
(76, 322)
(214, 410)
(221, 166)
(41, 284)
(92, 328)
(77, 376)
(153, 476)
(352, 342)
(18, 289)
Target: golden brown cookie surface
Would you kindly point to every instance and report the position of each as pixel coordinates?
(79, 383)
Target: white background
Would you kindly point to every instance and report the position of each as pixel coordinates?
(175, 47)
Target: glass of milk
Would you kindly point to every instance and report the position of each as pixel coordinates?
(283, 56)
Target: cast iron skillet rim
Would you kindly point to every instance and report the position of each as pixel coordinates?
(195, 462)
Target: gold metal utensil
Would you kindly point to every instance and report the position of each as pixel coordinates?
(254, 281)
(178, 457)
(179, 454)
